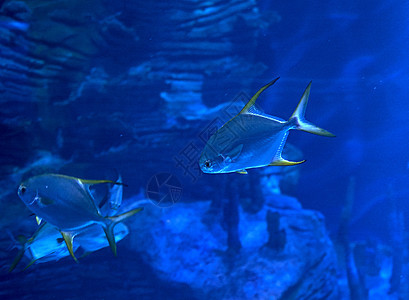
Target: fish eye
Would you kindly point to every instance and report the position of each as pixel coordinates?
(22, 189)
(207, 164)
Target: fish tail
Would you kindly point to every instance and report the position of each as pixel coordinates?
(298, 121)
(112, 221)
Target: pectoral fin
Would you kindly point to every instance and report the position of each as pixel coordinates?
(42, 201)
(38, 219)
(68, 238)
(284, 162)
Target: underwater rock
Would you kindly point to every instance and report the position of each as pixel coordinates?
(183, 249)
(277, 237)
(18, 10)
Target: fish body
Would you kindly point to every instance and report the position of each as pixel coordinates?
(66, 203)
(46, 244)
(62, 201)
(253, 139)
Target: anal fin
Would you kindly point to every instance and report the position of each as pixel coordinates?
(242, 172)
(68, 238)
(109, 232)
(283, 162)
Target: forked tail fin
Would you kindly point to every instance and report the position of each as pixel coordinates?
(112, 221)
(298, 120)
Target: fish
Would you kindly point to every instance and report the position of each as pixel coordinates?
(46, 244)
(66, 203)
(253, 139)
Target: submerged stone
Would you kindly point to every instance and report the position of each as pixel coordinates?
(183, 249)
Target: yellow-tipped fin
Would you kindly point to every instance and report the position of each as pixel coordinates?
(254, 98)
(109, 233)
(38, 219)
(91, 182)
(68, 238)
(112, 221)
(17, 259)
(284, 162)
(242, 172)
(298, 121)
(30, 264)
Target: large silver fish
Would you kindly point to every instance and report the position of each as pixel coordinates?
(253, 139)
(67, 203)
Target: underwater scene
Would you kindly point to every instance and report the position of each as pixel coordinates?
(204, 149)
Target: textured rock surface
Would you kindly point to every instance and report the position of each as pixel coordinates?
(182, 248)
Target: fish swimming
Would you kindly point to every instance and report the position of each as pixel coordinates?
(67, 203)
(46, 244)
(253, 139)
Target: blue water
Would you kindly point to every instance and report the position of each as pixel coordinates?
(137, 88)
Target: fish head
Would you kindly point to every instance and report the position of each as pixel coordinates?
(213, 159)
(26, 193)
(31, 192)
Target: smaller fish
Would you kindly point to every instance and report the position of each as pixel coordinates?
(67, 203)
(46, 244)
(253, 139)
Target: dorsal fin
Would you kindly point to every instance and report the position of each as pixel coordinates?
(254, 98)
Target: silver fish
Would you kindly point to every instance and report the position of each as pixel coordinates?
(253, 139)
(46, 244)
(67, 203)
